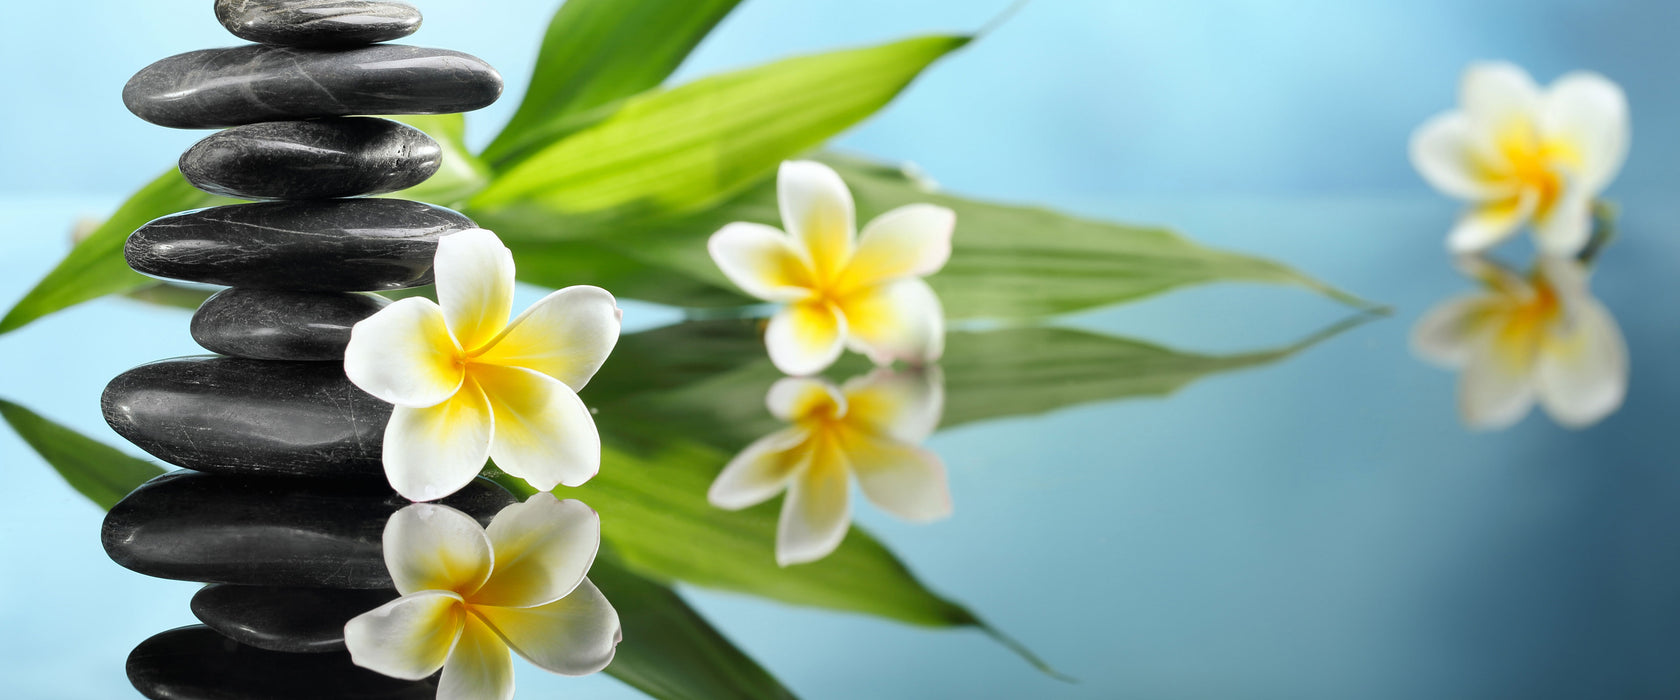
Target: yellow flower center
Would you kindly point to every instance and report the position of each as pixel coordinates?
(1535, 163)
(1525, 321)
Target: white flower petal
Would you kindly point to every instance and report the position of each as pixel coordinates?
(910, 241)
(1566, 228)
(544, 433)
(762, 261)
(1583, 369)
(1589, 113)
(1494, 94)
(480, 668)
(1451, 331)
(407, 638)
(792, 399)
(1445, 152)
(429, 547)
(817, 511)
(566, 335)
(817, 211)
(1494, 391)
(574, 636)
(403, 354)
(905, 404)
(1485, 225)
(432, 452)
(900, 320)
(805, 338)
(902, 479)
(760, 471)
(543, 548)
(474, 274)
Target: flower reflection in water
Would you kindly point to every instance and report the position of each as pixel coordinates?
(871, 427)
(1525, 338)
(471, 593)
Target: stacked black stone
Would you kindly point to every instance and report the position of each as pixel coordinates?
(285, 503)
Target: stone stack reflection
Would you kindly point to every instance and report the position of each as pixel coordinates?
(283, 505)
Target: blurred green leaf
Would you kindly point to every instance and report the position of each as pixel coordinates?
(713, 391)
(596, 53)
(95, 267)
(462, 174)
(671, 652)
(101, 472)
(681, 149)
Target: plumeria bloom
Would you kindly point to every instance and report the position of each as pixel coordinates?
(1541, 337)
(1520, 154)
(840, 289)
(469, 594)
(469, 384)
(871, 428)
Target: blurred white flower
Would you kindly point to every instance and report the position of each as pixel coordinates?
(840, 289)
(871, 428)
(1544, 337)
(1519, 154)
(469, 384)
(469, 594)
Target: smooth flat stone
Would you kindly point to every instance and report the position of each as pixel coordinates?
(317, 23)
(266, 324)
(215, 88)
(337, 245)
(253, 531)
(195, 663)
(278, 618)
(320, 159)
(239, 416)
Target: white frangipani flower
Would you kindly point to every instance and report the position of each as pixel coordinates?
(1520, 154)
(1543, 337)
(469, 594)
(468, 384)
(871, 428)
(840, 289)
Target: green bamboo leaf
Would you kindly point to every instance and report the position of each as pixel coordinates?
(101, 472)
(462, 174)
(651, 493)
(95, 267)
(1007, 262)
(682, 149)
(671, 652)
(595, 54)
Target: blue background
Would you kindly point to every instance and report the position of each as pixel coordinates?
(1319, 528)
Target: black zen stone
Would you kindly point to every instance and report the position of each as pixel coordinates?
(344, 245)
(320, 159)
(317, 23)
(253, 531)
(277, 618)
(265, 324)
(215, 88)
(195, 663)
(239, 416)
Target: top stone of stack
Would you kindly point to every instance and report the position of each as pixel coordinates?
(318, 24)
